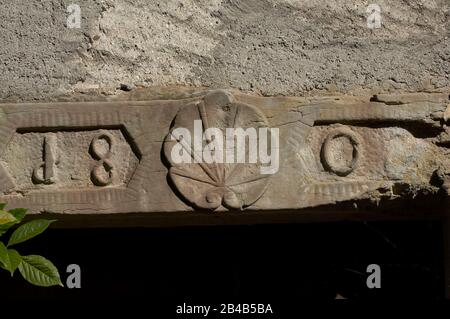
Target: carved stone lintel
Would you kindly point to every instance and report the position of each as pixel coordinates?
(117, 157)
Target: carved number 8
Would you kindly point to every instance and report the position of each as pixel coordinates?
(104, 162)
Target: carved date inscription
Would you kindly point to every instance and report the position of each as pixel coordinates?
(116, 157)
(69, 159)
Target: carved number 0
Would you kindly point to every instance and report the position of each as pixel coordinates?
(97, 177)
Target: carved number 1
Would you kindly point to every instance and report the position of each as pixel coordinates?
(103, 161)
(44, 173)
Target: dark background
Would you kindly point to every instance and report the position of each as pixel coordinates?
(263, 263)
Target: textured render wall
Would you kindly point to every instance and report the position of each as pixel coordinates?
(270, 47)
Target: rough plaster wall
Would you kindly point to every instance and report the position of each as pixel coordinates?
(271, 47)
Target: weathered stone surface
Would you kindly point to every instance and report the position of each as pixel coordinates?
(288, 47)
(233, 185)
(64, 163)
(114, 157)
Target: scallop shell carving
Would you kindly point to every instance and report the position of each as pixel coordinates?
(210, 186)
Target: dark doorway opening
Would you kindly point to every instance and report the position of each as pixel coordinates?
(261, 263)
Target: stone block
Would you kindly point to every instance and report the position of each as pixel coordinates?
(106, 159)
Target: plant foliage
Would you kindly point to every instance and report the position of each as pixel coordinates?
(37, 270)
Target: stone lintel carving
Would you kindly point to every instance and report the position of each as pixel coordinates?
(117, 157)
(210, 185)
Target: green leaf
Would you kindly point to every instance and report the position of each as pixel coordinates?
(4, 257)
(29, 230)
(6, 221)
(18, 213)
(39, 271)
(9, 258)
(6, 217)
(14, 260)
(2, 205)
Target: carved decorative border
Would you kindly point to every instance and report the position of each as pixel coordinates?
(50, 120)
